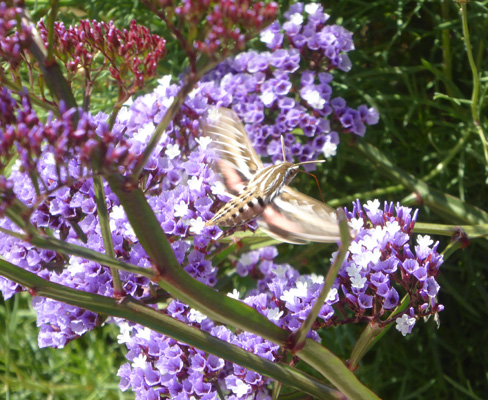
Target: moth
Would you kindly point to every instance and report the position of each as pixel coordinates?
(284, 213)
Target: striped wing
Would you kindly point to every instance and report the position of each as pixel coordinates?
(294, 217)
(238, 162)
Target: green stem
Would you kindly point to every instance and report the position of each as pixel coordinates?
(476, 81)
(204, 65)
(104, 221)
(446, 48)
(332, 368)
(472, 64)
(137, 312)
(53, 75)
(33, 99)
(372, 334)
(168, 117)
(451, 248)
(50, 28)
(73, 249)
(372, 194)
(450, 155)
(297, 339)
(472, 231)
(114, 113)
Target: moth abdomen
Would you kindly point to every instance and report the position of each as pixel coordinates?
(238, 211)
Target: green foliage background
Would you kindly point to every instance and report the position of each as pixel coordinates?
(411, 64)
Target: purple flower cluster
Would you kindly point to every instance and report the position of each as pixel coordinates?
(160, 366)
(276, 96)
(380, 263)
(12, 41)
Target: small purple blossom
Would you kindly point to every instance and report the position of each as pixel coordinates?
(380, 262)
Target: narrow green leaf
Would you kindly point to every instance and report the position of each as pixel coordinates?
(444, 204)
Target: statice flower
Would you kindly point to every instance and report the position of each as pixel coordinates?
(380, 266)
(274, 95)
(159, 365)
(12, 41)
(263, 87)
(133, 54)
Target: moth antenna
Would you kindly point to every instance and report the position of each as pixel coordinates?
(317, 181)
(283, 148)
(311, 162)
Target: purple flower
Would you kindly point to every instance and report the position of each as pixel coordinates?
(274, 97)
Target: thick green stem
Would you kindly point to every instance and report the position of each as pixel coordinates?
(335, 371)
(51, 70)
(50, 26)
(137, 312)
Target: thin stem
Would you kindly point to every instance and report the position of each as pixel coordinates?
(476, 81)
(104, 221)
(333, 369)
(168, 117)
(50, 28)
(371, 194)
(114, 113)
(297, 339)
(450, 155)
(53, 75)
(33, 99)
(442, 203)
(446, 48)
(80, 251)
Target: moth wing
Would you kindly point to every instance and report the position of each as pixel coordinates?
(237, 161)
(294, 217)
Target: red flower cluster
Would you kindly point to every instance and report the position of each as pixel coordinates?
(231, 22)
(12, 41)
(132, 54)
(214, 28)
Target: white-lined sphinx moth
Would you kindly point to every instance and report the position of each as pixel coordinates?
(285, 214)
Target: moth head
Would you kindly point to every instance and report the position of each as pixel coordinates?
(291, 173)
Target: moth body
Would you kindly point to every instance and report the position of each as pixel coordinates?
(263, 192)
(260, 191)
